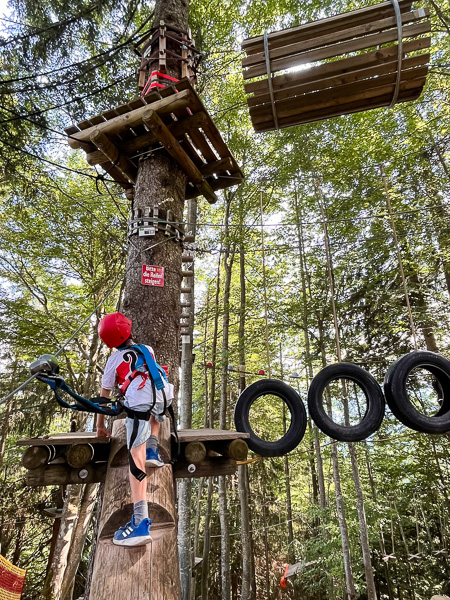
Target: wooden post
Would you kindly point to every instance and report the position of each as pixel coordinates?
(144, 572)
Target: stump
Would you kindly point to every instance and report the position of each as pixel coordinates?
(126, 573)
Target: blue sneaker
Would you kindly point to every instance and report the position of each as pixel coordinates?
(133, 535)
(153, 458)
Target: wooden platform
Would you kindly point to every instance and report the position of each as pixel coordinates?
(174, 118)
(81, 457)
(209, 452)
(65, 439)
(349, 65)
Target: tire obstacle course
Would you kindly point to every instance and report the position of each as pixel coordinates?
(395, 392)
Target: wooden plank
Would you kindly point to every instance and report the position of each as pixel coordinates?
(339, 80)
(177, 128)
(337, 67)
(210, 467)
(71, 129)
(328, 24)
(359, 90)
(202, 144)
(206, 435)
(215, 167)
(333, 38)
(173, 147)
(75, 437)
(125, 121)
(344, 109)
(369, 41)
(63, 475)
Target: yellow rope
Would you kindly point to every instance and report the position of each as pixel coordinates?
(248, 462)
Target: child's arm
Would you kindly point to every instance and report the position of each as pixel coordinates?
(102, 430)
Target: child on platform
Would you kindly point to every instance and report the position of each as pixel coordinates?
(146, 395)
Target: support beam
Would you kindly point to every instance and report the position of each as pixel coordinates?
(172, 145)
(114, 155)
(131, 119)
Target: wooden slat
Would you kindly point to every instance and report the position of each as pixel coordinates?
(337, 67)
(71, 129)
(369, 41)
(210, 467)
(55, 439)
(118, 124)
(360, 90)
(343, 109)
(333, 38)
(217, 166)
(210, 435)
(336, 81)
(322, 26)
(63, 474)
(177, 128)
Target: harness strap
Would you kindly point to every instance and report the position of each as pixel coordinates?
(136, 416)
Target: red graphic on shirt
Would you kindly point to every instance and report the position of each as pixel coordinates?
(126, 367)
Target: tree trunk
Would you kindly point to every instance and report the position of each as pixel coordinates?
(206, 542)
(184, 485)
(85, 511)
(155, 312)
(245, 533)
(223, 508)
(54, 582)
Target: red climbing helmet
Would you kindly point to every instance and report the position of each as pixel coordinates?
(114, 329)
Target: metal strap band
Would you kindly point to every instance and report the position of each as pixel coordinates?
(269, 79)
(398, 19)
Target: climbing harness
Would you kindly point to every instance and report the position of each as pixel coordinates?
(156, 374)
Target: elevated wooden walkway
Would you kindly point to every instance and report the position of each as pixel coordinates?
(343, 64)
(82, 457)
(173, 118)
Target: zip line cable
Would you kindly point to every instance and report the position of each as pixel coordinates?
(66, 343)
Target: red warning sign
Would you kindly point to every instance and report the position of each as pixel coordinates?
(152, 275)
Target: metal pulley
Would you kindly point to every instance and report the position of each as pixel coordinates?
(47, 363)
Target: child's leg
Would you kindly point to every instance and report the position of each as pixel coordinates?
(153, 457)
(138, 488)
(155, 425)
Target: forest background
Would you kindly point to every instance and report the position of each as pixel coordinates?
(383, 503)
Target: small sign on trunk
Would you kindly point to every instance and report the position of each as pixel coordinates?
(152, 275)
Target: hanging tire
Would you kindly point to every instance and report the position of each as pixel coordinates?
(373, 416)
(397, 395)
(297, 428)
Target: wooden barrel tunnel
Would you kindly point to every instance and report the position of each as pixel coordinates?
(343, 64)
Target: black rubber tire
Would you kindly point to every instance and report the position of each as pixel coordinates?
(397, 396)
(373, 416)
(297, 428)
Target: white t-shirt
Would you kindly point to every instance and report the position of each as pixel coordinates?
(119, 366)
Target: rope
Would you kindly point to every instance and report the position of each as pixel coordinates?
(13, 393)
(269, 79)
(398, 19)
(399, 256)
